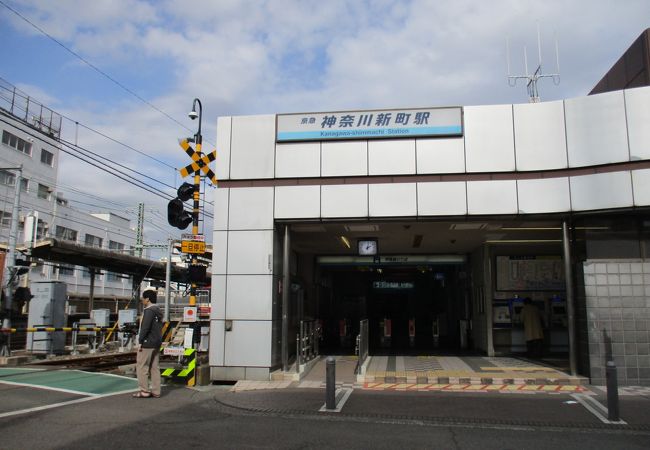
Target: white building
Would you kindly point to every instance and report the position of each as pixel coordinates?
(29, 139)
(439, 228)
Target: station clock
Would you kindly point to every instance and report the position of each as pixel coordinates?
(367, 247)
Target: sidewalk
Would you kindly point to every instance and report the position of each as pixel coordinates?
(427, 373)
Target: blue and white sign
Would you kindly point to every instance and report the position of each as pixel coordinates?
(376, 124)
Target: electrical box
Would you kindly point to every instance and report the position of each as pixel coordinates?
(47, 309)
(101, 317)
(127, 316)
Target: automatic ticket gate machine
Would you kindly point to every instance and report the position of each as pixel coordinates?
(558, 325)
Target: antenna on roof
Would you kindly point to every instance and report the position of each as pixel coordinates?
(531, 79)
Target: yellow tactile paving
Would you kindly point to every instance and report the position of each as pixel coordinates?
(474, 387)
(494, 387)
(436, 387)
(477, 387)
(520, 369)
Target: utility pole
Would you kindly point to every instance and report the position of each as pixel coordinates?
(10, 260)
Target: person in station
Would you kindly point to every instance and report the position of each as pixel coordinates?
(149, 340)
(533, 331)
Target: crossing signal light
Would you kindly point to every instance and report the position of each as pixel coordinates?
(185, 192)
(176, 214)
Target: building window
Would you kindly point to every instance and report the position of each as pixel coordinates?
(113, 277)
(7, 178)
(85, 273)
(93, 241)
(47, 157)
(43, 191)
(65, 270)
(17, 143)
(118, 246)
(65, 233)
(5, 218)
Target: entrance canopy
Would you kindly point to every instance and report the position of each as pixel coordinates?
(422, 237)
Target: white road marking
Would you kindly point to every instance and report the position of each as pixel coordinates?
(593, 406)
(57, 405)
(49, 388)
(346, 392)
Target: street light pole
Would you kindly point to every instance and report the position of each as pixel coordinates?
(198, 139)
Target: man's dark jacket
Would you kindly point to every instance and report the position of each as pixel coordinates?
(150, 335)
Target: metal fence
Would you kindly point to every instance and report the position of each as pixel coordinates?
(25, 108)
(362, 345)
(307, 342)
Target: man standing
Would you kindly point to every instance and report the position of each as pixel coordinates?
(149, 339)
(532, 320)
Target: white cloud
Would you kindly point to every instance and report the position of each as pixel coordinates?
(267, 56)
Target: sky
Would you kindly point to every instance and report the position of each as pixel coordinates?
(130, 69)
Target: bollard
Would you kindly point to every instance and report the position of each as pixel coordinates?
(612, 392)
(330, 388)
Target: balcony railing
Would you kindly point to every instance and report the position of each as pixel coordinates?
(28, 110)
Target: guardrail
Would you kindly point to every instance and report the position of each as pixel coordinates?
(307, 342)
(25, 108)
(361, 349)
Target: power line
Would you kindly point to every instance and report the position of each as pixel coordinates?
(122, 143)
(71, 149)
(80, 148)
(97, 69)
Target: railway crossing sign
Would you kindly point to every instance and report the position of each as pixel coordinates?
(199, 163)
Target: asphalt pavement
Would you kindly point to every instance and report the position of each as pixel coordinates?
(218, 417)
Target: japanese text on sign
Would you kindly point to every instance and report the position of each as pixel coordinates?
(192, 247)
(370, 124)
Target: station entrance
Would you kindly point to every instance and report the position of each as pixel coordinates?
(410, 308)
(429, 288)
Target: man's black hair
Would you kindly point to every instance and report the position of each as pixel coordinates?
(150, 295)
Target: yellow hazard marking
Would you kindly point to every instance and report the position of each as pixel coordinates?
(519, 369)
(437, 386)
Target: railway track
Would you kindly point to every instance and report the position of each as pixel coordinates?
(90, 363)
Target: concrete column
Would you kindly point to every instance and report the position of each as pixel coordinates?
(571, 319)
(286, 292)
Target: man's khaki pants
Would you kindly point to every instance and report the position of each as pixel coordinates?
(147, 365)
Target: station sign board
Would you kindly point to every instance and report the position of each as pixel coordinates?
(372, 124)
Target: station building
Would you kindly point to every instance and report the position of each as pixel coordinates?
(432, 225)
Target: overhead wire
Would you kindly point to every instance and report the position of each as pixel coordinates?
(91, 65)
(70, 149)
